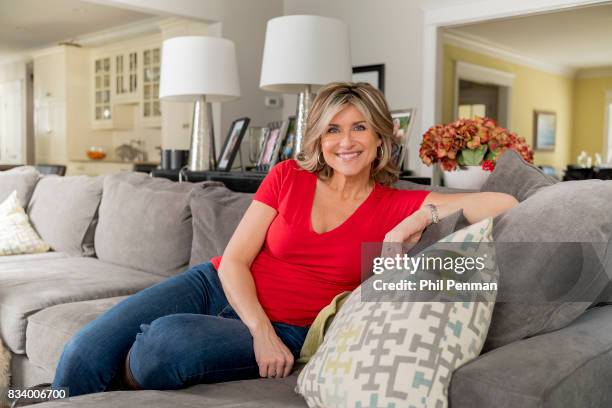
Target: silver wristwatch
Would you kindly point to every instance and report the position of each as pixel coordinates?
(435, 218)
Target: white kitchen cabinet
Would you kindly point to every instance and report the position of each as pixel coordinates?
(126, 81)
(62, 129)
(97, 168)
(150, 108)
(12, 134)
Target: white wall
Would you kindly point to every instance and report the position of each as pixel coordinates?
(242, 21)
(382, 31)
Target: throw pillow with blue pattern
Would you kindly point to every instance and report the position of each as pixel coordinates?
(402, 353)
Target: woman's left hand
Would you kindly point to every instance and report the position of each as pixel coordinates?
(410, 229)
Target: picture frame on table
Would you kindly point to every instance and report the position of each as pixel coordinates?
(371, 74)
(232, 143)
(403, 121)
(270, 146)
(544, 130)
(287, 148)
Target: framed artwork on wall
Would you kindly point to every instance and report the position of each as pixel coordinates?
(544, 130)
(371, 74)
(232, 143)
(403, 121)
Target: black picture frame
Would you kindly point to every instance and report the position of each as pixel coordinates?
(232, 143)
(371, 74)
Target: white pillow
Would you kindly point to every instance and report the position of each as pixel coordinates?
(16, 234)
(403, 353)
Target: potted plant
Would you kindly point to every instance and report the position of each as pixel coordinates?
(467, 149)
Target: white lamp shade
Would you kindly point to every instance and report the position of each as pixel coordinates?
(194, 66)
(305, 50)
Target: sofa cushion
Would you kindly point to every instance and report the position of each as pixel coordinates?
(49, 329)
(26, 288)
(514, 176)
(553, 257)
(145, 223)
(64, 212)
(257, 393)
(216, 214)
(571, 367)
(31, 258)
(23, 179)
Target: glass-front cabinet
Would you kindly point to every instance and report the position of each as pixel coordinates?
(102, 90)
(150, 111)
(126, 77)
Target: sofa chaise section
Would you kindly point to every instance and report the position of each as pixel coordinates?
(570, 367)
(26, 288)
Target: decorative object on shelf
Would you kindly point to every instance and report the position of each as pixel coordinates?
(96, 153)
(402, 126)
(256, 138)
(174, 159)
(584, 160)
(200, 69)
(288, 139)
(232, 144)
(544, 130)
(302, 52)
(270, 147)
(371, 74)
(473, 144)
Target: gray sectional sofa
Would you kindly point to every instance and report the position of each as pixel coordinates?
(114, 236)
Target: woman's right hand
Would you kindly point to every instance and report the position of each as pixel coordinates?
(273, 357)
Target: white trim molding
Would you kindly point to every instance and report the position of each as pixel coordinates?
(480, 45)
(607, 136)
(477, 73)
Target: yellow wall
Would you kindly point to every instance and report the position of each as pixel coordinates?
(589, 100)
(532, 90)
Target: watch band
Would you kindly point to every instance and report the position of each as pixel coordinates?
(435, 217)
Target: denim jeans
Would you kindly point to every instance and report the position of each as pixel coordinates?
(181, 331)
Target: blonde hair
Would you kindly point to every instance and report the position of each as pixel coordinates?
(330, 100)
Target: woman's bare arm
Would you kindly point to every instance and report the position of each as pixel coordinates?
(273, 357)
(475, 206)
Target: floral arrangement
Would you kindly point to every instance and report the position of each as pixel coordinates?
(470, 142)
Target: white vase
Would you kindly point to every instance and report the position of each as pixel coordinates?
(470, 178)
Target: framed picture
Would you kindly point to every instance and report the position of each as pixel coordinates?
(270, 146)
(544, 130)
(232, 143)
(371, 74)
(402, 126)
(288, 139)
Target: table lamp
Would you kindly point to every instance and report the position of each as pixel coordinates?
(301, 53)
(199, 69)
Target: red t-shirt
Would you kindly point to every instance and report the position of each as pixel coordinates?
(298, 271)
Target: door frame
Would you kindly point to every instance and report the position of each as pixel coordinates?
(487, 76)
(480, 11)
(607, 131)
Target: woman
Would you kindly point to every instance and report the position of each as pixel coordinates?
(246, 314)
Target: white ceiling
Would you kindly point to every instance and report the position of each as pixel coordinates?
(28, 24)
(573, 39)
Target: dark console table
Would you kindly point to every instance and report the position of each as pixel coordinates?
(242, 181)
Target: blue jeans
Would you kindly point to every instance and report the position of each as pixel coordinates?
(181, 331)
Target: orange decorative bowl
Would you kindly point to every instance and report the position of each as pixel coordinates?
(96, 153)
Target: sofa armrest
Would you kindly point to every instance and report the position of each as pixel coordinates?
(570, 367)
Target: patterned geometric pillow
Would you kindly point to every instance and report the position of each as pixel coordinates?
(16, 234)
(403, 353)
